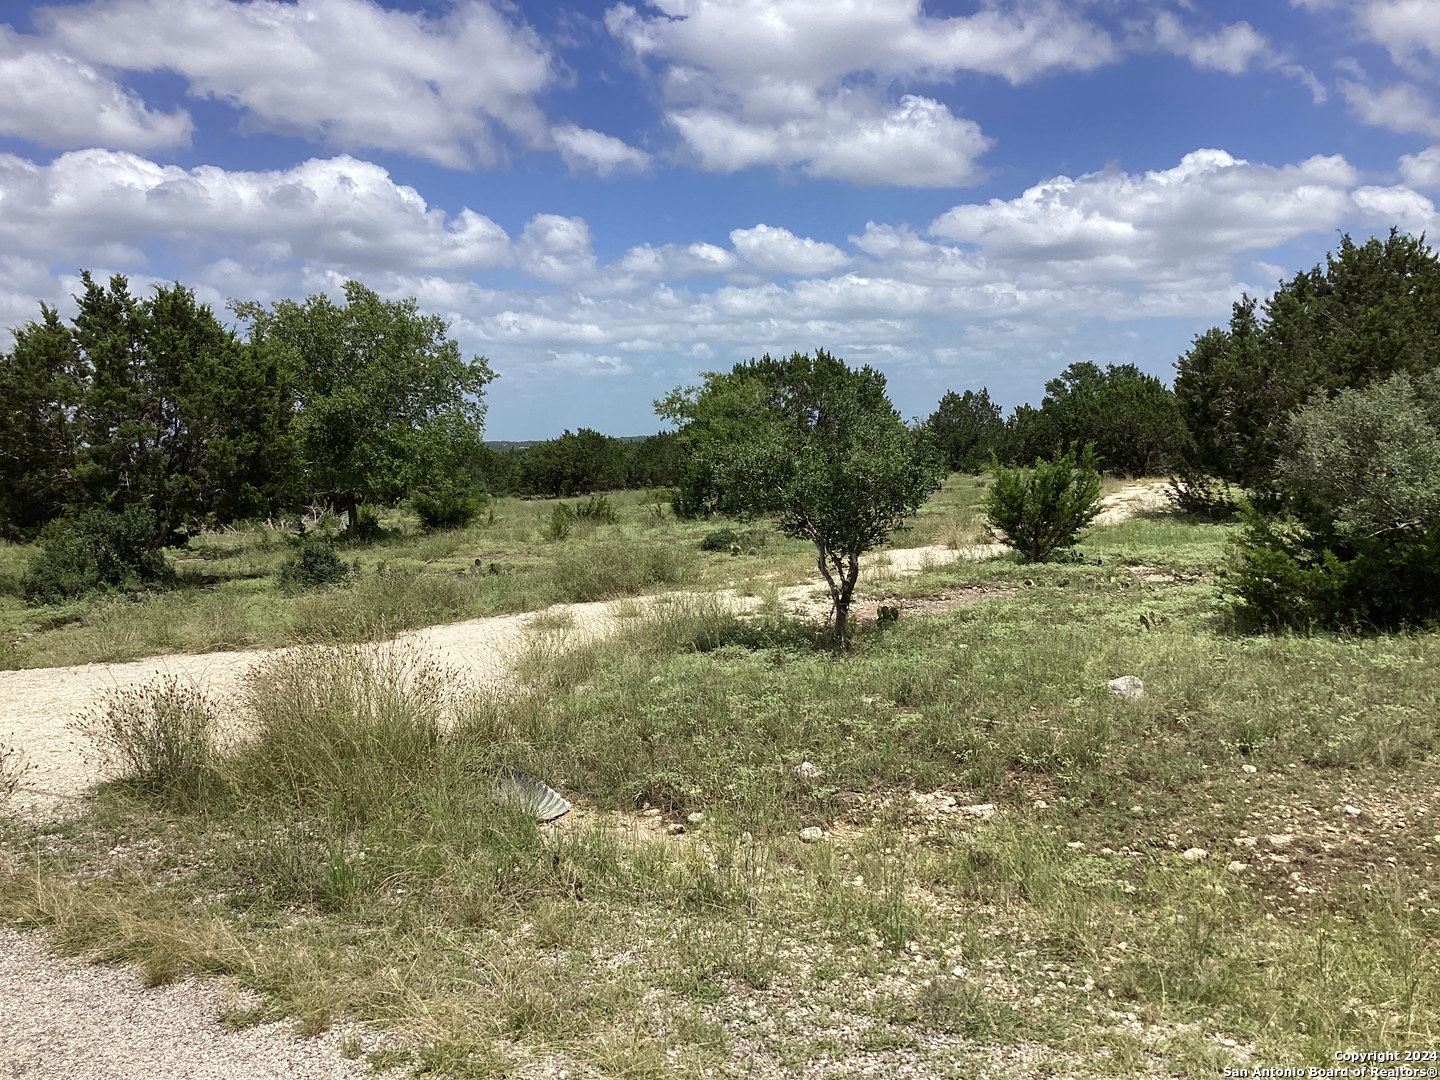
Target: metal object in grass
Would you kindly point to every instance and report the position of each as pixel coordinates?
(533, 797)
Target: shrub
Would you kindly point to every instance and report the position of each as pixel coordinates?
(721, 540)
(93, 551)
(562, 520)
(1282, 575)
(447, 507)
(314, 564)
(367, 526)
(1355, 542)
(598, 509)
(1041, 510)
(162, 737)
(1201, 496)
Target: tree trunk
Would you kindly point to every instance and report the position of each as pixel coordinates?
(352, 516)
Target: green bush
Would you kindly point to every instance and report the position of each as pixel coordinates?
(598, 509)
(562, 520)
(447, 507)
(315, 563)
(1356, 539)
(1041, 510)
(1282, 575)
(93, 551)
(735, 541)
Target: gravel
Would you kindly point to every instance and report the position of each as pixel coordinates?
(66, 1018)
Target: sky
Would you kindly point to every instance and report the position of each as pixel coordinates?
(607, 199)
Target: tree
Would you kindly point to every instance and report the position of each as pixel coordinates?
(1371, 311)
(142, 401)
(574, 463)
(967, 428)
(1130, 417)
(42, 382)
(822, 449)
(1041, 510)
(386, 402)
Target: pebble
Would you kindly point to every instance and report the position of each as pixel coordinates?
(1353, 811)
(675, 829)
(1235, 866)
(980, 810)
(1194, 854)
(696, 818)
(805, 770)
(812, 834)
(1248, 768)
(1076, 845)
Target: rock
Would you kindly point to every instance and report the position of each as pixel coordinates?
(1128, 687)
(675, 829)
(1248, 768)
(806, 771)
(812, 834)
(1041, 804)
(650, 811)
(1235, 866)
(1353, 811)
(1195, 854)
(1076, 845)
(980, 810)
(696, 818)
(1279, 839)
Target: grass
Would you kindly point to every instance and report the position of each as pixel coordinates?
(1020, 872)
(231, 597)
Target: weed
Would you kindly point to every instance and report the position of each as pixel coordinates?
(162, 739)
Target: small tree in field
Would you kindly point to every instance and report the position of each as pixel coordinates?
(823, 450)
(1041, 510)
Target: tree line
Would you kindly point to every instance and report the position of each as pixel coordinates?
(1315, 415)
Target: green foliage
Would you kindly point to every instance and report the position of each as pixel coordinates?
(1371, 312)
(597, 509)
(387, 403)
(42, 381)
(1131, 418)
(575, 463)
(96, 550)
(149, 401)
(162, 736)
(447, 506)
(1039, 511)
(562, 520)
(968, 428)
(1359, 546)
(814, 443)
(606, 570)
(314, 564)
(1366, 462)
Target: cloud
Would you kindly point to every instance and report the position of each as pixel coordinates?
(585, 150)
(336, 212)
(1422, 170)
(1010, 283)
(1233, 48)
(56, 100)
(779, 251)
(803, 84)
(1400, 107)
(1405, 27)
(346, 73)
(1121, 225)
(557, 248)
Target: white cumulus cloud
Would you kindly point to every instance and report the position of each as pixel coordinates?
(801, 83)
(586, 150)
(336, 212)
(556, 248)
(348, 73)
(57, 100)
(1422, 170)
(780, 251)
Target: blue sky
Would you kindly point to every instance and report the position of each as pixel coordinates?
(607, 198)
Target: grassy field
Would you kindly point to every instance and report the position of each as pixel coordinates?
(1020, 874)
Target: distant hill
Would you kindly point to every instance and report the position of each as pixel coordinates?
(506, 445)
